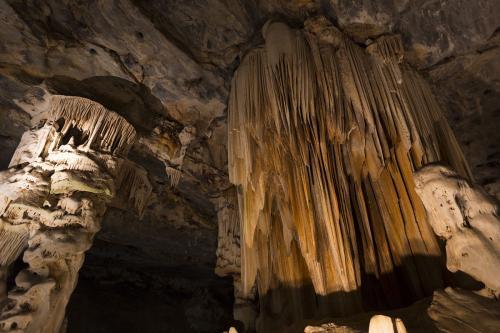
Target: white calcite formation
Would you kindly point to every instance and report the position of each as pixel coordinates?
(385, 324)
(61, 179)
(468, 219)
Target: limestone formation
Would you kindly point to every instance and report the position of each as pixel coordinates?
(229, 258)
(467, 218)
(384, 324)
(228, 245)
(170, 148)
(323, 139)
(167, 65)
(61, 179)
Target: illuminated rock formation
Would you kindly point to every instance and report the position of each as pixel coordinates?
(323, 139)
(467, 218)
(384, 324)
(61, 179)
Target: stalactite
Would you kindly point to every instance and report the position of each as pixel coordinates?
(133, 187)
(170, 146)
(102, 129)
(13, 240)
(174, 175)
(228, 245)
(322, 143)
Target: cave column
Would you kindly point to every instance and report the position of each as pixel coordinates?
(229, 258)
(61, 179)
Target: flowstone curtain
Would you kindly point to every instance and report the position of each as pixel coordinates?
(323, 141)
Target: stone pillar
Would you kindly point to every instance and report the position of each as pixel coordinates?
(229, 257)
(61, 179)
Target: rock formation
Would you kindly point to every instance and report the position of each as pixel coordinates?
(467, 218)
(449, 310)
(384, 324)
(229, 258)
(166, 66)
(60, 180)
(323, 140)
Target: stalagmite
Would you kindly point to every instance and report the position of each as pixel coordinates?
(384, 324)
(323, 140)
(62, 177)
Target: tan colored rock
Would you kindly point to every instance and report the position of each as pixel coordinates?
(51, 208)
(385, 324)
(228, 242)
(467, 218)
(322, 140)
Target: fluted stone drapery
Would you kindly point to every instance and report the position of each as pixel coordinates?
(323, 139)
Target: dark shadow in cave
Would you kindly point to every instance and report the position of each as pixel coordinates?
(414, 316)
(125, 295)
(387, 293)
(143, 277)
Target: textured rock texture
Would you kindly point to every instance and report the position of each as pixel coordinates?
(166, 67)
(322, 138)
(53, 196)
(467, 219)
